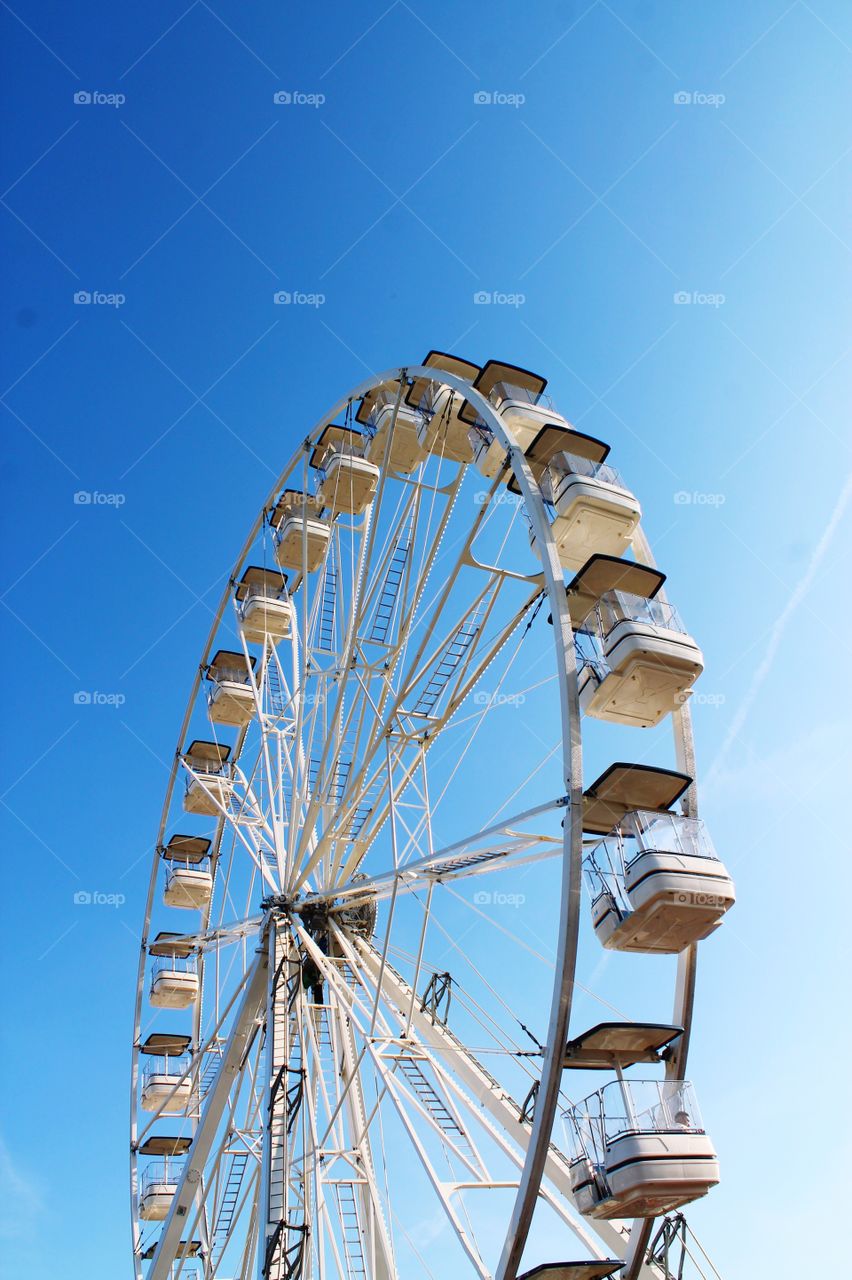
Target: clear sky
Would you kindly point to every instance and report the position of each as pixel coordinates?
(582, 199)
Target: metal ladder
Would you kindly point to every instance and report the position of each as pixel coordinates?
(350, 1226)
(328, 1064)
(326, 618)
(366, 803)
(336, 787)
(350, 1229)
(211, 1068)
(456, 648)
(359, 817)
(282, 1064)
(348, 974)
(228, 1206)
(430, 1099)
(390, 587)
(269, 860)
(276, 701)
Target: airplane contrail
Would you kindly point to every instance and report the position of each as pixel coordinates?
(780, 626)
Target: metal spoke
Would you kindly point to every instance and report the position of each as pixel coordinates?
(312, 1069)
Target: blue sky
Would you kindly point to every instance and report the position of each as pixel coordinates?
(582, 199)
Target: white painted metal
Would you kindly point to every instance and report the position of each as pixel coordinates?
(286, 817)
(593, 516)
(406, 451)
(244, 1029)
(442, 431)
(348, 484)
(189, 887)
(295, 531)
(231, 702)
(174, 985)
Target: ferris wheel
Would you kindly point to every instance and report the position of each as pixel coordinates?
(354, 1051)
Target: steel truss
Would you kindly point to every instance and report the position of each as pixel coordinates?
(308, 1039)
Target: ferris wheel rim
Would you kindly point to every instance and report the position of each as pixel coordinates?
(571, 732)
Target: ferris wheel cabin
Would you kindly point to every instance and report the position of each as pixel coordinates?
(166, 1079)
(594, 512)
(301, 537)
(186, 1249)
(161, 1175)
(174, 974)
(391, 429)
(623, 788)
(655, 880)
(209, 784)
(441, 429)
(638, 1143)
(347, 480)
(637, 664)
(189, 877)
(516, 395)
(639, 1146)
(592, 509)
(230, 696)
(574, 1270)
(264, 608)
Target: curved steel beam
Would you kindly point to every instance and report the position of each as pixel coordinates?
(563, 986)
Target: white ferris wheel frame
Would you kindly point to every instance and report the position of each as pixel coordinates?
(538, 1159)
